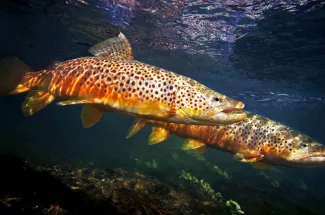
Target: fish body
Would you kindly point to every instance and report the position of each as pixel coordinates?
(113, 81)
(256, 140)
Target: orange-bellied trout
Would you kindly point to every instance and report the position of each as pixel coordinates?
(112, 81)
(257, 140)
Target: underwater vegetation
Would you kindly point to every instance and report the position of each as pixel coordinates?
(63, 189)
(66, 190)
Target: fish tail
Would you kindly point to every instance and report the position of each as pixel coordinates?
(14, 76)
(17, 77)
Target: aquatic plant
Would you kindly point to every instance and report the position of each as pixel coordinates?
(203, 185)
(233, 208)
(214, 167)
(275, 183)
(152, 164)
(302, 184)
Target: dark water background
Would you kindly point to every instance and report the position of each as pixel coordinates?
(277, 69)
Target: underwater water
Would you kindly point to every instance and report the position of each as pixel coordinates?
(268, 54)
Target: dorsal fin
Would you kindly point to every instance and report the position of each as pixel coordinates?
(116, 47)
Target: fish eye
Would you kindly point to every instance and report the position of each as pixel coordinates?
(216, 99)
(304, 145)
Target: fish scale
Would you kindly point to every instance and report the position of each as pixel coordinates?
(256, 140)
(112, 81)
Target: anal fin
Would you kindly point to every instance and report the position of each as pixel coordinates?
(158, 135)
(192, 144)
(136, 127)
(90, 115)
(35, 101)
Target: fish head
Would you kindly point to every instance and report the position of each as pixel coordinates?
(202, 105)
(306, 153)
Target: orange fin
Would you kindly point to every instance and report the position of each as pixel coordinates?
(73, 102)
(158, 135)
(261, 165)
(192, 144)
(116, 47)
(35, 101)
(90, 115)
(12, 72)
(136, 127)
(249, 156)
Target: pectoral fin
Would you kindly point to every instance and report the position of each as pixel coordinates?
(116, 47)
(90, 115)
(157, 109)
(136, 127)
(158, 135)
(192, 144)
(249, 156)
(35, 101)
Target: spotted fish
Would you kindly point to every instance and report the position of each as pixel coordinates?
(112, 81)
(256, 140)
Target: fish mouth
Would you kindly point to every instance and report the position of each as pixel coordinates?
(312, 160)
(219, 116)
(235, 107)
(312, 157)
(230, 110)
(227, 116)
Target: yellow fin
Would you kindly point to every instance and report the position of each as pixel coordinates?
(158, 135)
(136, 127)
(249, 157)
(261, 165)
(90, 115)
(35, 101)
(201, 149)
(73, 102)
(116, 47)
(192, 144)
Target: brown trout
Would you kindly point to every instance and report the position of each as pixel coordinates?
(257, 140)
(112, 81)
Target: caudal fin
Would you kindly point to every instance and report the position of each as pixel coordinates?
(12, 72)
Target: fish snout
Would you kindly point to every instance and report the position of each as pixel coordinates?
(235, 107)
(314, 156)
(228, 116)
(230, 104)
(239, 105)
(231, 111)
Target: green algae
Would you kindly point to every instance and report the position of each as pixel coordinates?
(201, 183)
(233, 208)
